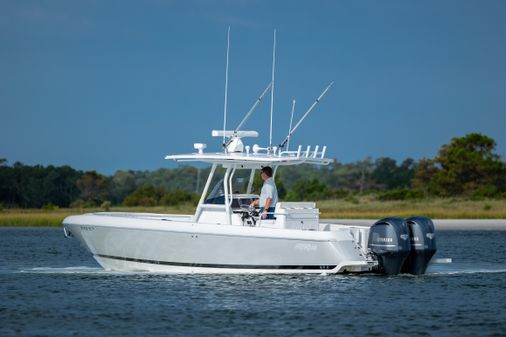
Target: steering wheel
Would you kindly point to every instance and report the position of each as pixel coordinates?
(249, 212)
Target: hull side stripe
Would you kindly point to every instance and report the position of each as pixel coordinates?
(230, 266)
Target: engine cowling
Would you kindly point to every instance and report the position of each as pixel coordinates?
(423, 245)
(389, 240)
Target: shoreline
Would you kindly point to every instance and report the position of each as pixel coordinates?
(440, 224)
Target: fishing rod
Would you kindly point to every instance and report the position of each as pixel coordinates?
(290, 133)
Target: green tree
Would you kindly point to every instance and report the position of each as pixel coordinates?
(148, 195)
(8, 190)
(93, 187)
(468, 165)
(308, 190)
(343, 176)
(390, 176)
(405, 173)
(122, 183)
(34, 186)
(363, 175)
(178, 197)
(424, 174)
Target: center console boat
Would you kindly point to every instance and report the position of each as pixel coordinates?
(225, 236)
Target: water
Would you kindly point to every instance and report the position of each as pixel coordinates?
(50, 286)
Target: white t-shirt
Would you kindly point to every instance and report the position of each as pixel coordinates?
(269, 190)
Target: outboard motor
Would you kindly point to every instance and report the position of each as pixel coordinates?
(389, 241)
(423, 245)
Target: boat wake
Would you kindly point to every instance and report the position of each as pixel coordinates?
(465, 268)
(65, 270)
(85, 270)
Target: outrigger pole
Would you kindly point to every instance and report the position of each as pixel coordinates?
(248, 114)
(282, 145)
(290, 126)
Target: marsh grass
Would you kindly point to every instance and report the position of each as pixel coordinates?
(54, 218)
(369, 208)
(364, 207)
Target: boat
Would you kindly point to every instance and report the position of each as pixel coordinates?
(226, 235)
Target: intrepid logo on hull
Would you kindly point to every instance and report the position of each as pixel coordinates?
(306, 247)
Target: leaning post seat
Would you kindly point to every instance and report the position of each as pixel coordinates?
(297, 215)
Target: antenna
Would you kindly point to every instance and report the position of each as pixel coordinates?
(305, 115)
(226, 88)
(248, 114)
(290, 127)
(272, 88)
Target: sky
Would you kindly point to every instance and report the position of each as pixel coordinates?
(109, 85)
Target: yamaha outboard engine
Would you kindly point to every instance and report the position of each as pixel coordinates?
(389, 241)
(423, 245)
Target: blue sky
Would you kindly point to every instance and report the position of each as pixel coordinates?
(110, 85)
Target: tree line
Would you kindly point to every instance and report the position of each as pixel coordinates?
(466, 167)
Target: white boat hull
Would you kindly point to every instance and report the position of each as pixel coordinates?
(158, 243)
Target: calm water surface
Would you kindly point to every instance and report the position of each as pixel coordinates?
(50, 286)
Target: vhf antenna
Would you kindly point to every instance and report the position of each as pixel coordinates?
(226, 89)
(282, 145)
(272, 89)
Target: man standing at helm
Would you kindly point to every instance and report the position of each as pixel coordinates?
(268, 195)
